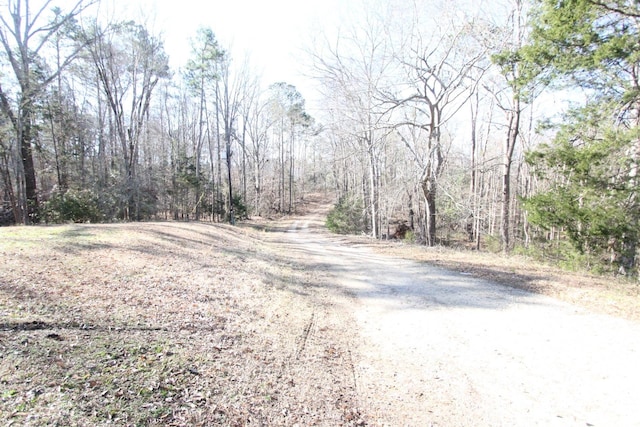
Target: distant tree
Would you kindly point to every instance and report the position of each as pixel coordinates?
(352, 71)
(202, 70)
(288, 109)
(519, 73)
(258, 125)
(233, 89)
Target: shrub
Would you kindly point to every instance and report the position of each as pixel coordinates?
(410, 237)
(72, 206)
(346, 217)
(239, 208)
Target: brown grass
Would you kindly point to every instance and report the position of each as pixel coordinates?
(163, 324)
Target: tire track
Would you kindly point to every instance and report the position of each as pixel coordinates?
(307, 332)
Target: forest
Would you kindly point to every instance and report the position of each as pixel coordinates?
(509, 126)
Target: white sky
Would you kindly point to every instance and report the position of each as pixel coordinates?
(272, 33)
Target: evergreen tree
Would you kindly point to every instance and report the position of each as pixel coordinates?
(593, 161)
(592, 194)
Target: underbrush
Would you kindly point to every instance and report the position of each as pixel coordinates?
(563, 255)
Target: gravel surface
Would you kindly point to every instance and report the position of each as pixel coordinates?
(442, 348)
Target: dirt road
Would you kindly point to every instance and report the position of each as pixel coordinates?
(441, 348)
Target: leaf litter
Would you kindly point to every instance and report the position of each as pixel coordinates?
(166, 324)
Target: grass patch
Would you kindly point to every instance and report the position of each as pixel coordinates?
(154, 324)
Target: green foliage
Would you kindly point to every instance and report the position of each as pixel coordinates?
(564, 255)
(492, 244)
(147, 202)
(592, 194)
(206, 55)
(186, 176)
(346, 217)
(591, 165)
(410, 237)
(521, 69)
(592, 43)
(239, 208)
(72, 206)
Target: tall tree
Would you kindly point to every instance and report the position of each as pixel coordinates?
(232, 90)
(519, 74)
(352, 71)
(593, 44)
(288, 108)
(441, 75)
(129, 62)
(25, 31)
(202, 70)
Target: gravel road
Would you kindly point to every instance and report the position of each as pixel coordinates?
(445, 349)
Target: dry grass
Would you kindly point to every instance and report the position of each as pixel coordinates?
(608, 295)
(164, 324)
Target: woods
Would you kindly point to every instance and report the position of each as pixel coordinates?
(512, 126)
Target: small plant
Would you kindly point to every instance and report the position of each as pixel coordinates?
(239, 208)
(346, 217)
(410, 237)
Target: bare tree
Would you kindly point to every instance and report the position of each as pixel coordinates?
(25, 32)
(512, 96)
(232, 91)
(129, 62)
(288, 109)
(352, 71)
(440, 70)
(258, 125)
(201, 71)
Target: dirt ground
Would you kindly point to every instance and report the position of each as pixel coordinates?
(200, 324)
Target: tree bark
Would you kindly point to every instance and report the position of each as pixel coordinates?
(512, 137)
(26, 151)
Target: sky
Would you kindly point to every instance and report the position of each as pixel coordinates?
(271, 33)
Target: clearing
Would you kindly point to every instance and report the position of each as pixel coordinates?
(280, 323)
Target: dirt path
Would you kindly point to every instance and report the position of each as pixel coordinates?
(442, 348)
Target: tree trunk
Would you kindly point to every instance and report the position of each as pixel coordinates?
(512, 137)
(8, 184)
(291, 165)
(373, 193)
(429, 194)
(232, 219)
(281, 190)
(31, 193)
(218, 155)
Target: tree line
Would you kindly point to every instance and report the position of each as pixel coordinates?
(440, 122)
(96, 126)
(512, 125)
